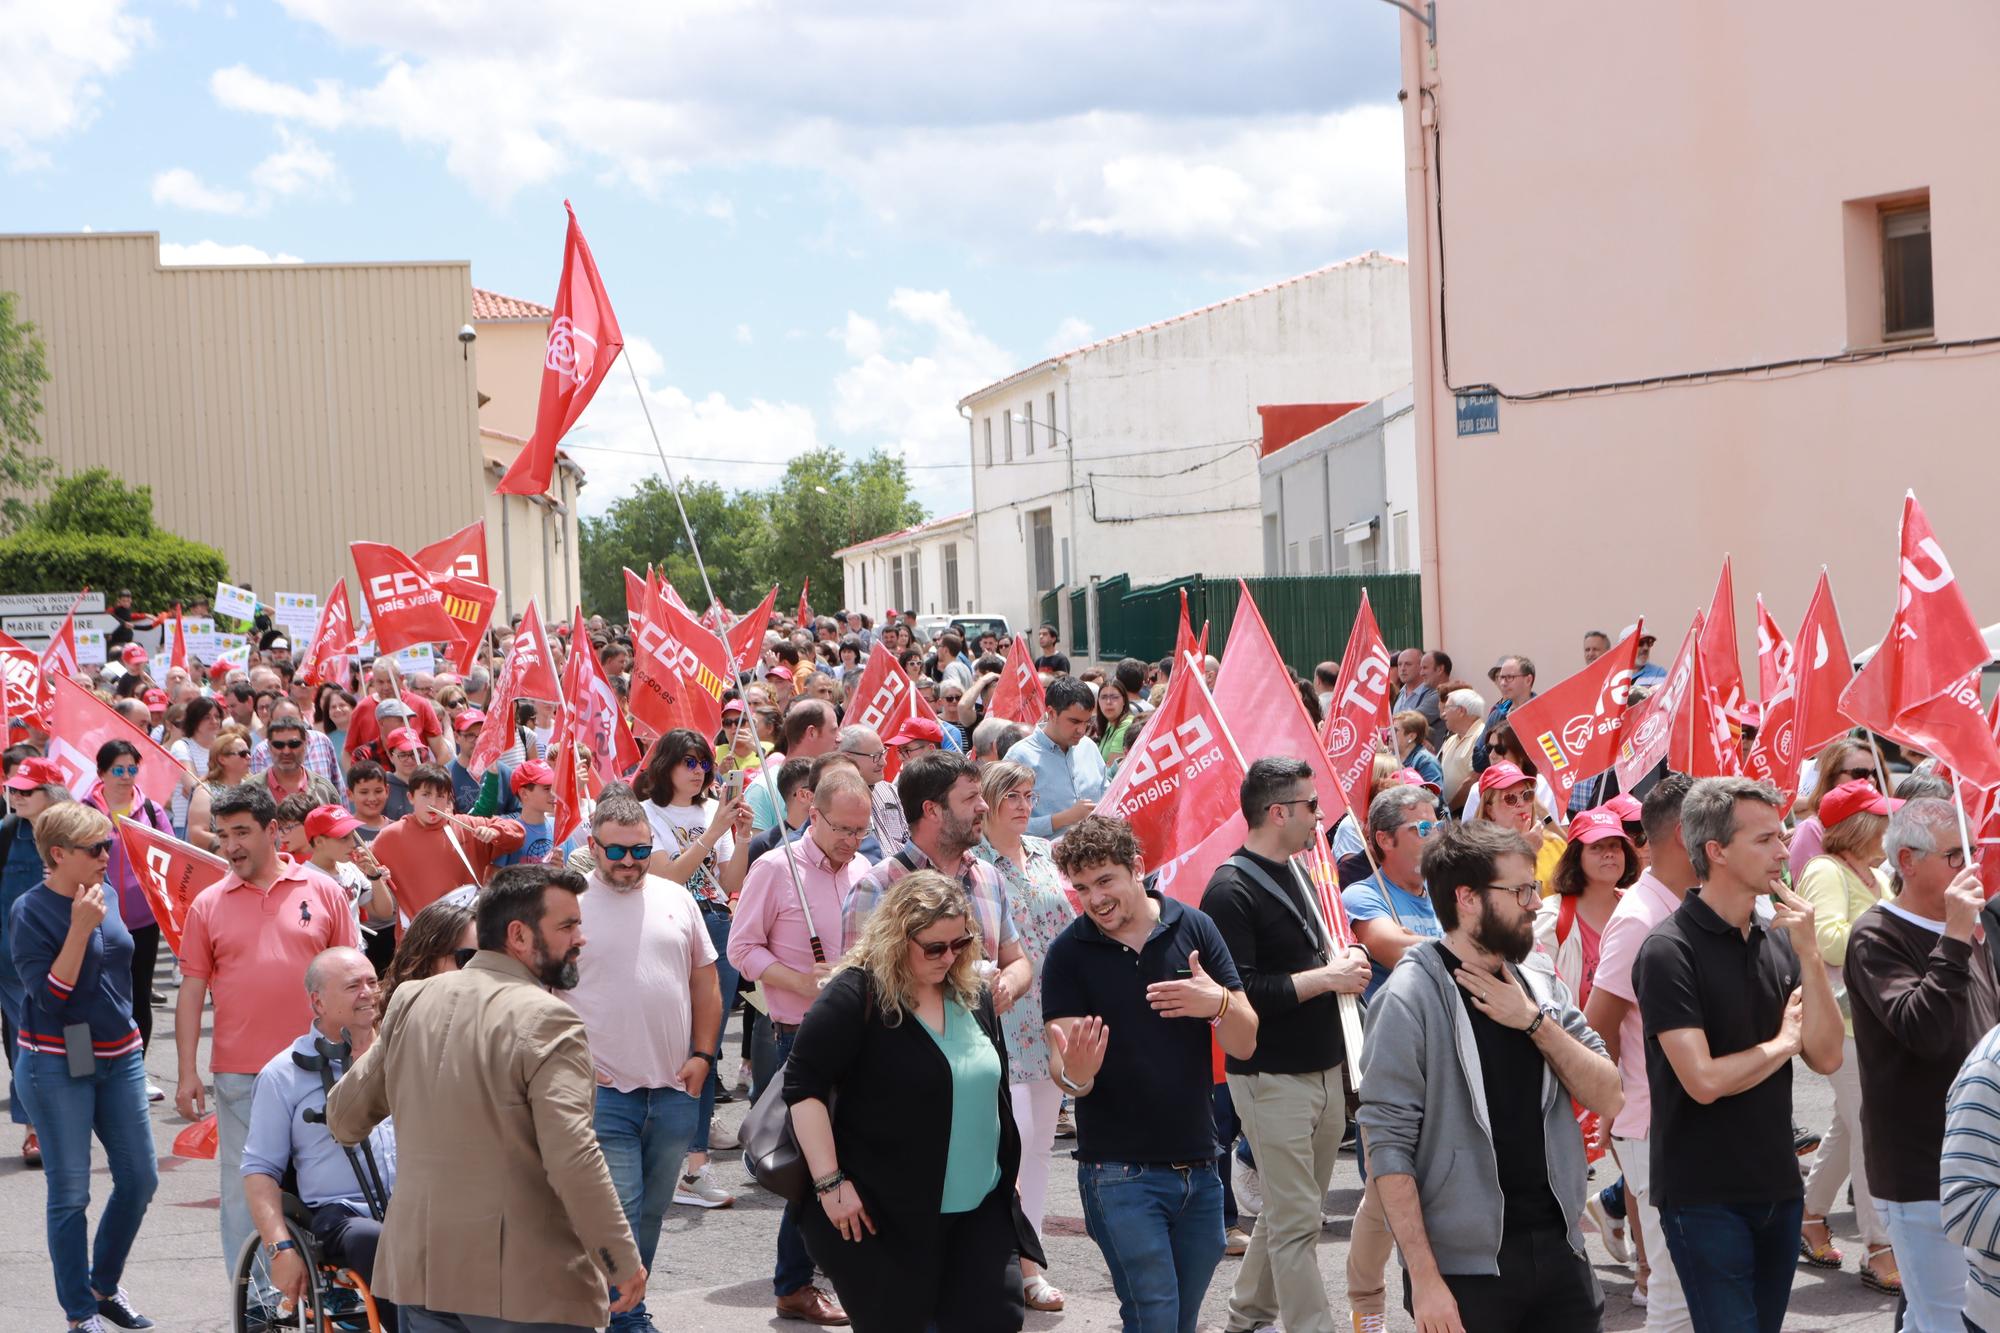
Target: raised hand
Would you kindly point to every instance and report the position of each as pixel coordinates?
(1196, 995)
(1081, 1045)
(1498, 996)
(1963, 898)
(1795, 917)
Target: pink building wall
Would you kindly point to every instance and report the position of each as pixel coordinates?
(1640, 191)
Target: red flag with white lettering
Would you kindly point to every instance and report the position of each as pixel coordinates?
(1659, 726)
(20, 682)
(172, 873)
(1921, 688)
(58, 659)
(1573, 731)
(1774, 654)
(333, 633)
(1178, 784)
(528, 673)
(638, 600)
(1802, 714)
(1721, 660)
(592, 741)
(83, 722)
(404, 605)
(583, 342)
(461, 555)
(1357, 713)
(691, 650)
(1019, 695)
(746, 636)
(1261, 704)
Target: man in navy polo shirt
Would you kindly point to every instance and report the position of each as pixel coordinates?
(1132, 991)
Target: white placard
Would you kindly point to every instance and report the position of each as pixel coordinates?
(297, 614)
(89, 647)
(416, 657)
(234, 602)
(235, 647)
(201, 637)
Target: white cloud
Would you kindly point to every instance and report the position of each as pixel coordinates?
(180, 188)
(300, 166)
(745, 335)
(1072, 333)
(57, 57)
(217, 252)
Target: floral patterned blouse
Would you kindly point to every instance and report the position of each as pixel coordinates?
(1041, 910)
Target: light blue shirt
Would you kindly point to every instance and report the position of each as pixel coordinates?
(1377, 896)
(279, 1135)
(1062, 777)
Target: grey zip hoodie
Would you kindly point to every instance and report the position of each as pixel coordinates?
(1423, 1109)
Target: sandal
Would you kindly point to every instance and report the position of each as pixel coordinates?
(31, 1152)
(1042, 1294)
(1822, 1254)
(1892, 1285)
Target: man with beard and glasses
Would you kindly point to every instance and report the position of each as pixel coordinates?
(1474, 1052)
(505, 1219)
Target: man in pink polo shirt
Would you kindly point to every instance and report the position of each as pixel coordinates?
(769, 942)
(248, 939)
(1613, 1012)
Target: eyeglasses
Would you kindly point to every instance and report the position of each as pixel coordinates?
(1528, 894)
(935, 951)
(123, 770)
(851, 834)
(287, 745)
(1311, 803)
(874, 756)
(1955, 858)
(1424, 827)
(638, 852)
(91, 848)
(462, 957)
(697, 765)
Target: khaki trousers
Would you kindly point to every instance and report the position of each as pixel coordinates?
(1295, 1123)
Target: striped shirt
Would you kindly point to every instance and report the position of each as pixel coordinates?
(100, 994)
(1970, 1177)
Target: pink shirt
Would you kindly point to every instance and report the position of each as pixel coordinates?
(641, 948)
(769, 927)
(251, 947)
(1645, 905)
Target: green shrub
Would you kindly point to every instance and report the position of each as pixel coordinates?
(160, 569)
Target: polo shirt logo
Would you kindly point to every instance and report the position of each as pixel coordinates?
(305, 913)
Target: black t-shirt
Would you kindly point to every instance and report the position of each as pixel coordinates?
(1511, 1071)
(1269, 942)
(1695, 970)
(1153, 1099)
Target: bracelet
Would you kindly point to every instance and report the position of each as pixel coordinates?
(1075, 1089)
(828, 1184)
(1216, 1022)
(703, 1055)
(1530, 1029)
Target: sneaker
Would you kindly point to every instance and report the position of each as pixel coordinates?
(91, 1324)
(1639, 1296)
(1369, 1323)
(721, 1138)
(117, 1308)
(154, 1093)
(1235, 1241)
(1249, 1188)
(1609, 1228)
(1804, 1142)
(699, 1190)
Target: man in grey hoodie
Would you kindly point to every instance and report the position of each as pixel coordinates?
(1474, 1051)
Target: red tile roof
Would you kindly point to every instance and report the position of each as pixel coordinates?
(492, 305)
(909, 533)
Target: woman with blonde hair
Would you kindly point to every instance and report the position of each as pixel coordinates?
(1508, 795)
(898, 1090)
(1849, 759)
(1346, 840)
(228, 764)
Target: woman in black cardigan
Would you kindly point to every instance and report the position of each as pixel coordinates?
(916, 1224)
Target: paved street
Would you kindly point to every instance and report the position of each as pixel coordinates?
(714, 1268)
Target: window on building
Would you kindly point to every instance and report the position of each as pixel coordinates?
(989, 441)
(948, 555)
(1291, 557)
(916, 582)
(1042, 549)
(896, 582)
(1316, 555)
(1054, 439)
(1906, 272)
(1399, 527)
(1006, 438)
(1028, 428)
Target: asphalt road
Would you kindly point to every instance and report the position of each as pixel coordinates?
(714, 1268)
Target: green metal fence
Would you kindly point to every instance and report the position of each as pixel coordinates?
(1309, 615)
(1079, 622)
(1050, 601)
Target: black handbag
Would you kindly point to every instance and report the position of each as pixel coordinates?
(769, 1148)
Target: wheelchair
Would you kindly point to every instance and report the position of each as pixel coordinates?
(335, 1299)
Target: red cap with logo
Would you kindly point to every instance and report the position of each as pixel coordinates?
(1410, 777)
(1596, 825)
(133, 656)
(532, 773)
(1854, 798)
(918, 728)
(34, 772)
(330, 821)
(402, 738)
(468, 718)
(156, 699)
(1500, 775)
(779, 672)
(1626, 807)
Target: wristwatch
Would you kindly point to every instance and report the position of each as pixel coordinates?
(1546, 1011)
(271, 1251)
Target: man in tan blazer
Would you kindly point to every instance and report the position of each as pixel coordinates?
(504, 1218)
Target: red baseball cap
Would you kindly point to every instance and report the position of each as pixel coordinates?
(780, 672)
(133, 655)
(156, 699)
(532, 773)
(34, 772)
(402, 738)
(330, 821)
(467, 719)
(1596, 825)
(1853, 798)
(733, 707)
(1410, 777)
(1500, 775)
(219, 671)
(917, 728)
(1626, 807)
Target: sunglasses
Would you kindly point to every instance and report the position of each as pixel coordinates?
(695, 765)
(462, 957)
(91, 848)
(933, 952)
(123, 770)
(638, 852)
(1424, 827)
(1309, 802)
(1848, 774)
(288, 745)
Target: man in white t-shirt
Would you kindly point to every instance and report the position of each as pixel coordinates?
(652, 1008)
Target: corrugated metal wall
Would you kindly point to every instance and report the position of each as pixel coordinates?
(277, 411)
(1309, 616)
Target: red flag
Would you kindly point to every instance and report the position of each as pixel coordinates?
(1260, 703)
(1660, 726)
(1324, 872)
(1921, 688)
(1184, 644)
(20, 681)
(1178, 784)
(173, 874)
(1720, 659)
(177, 644)
(1359, 712)
(1574, 729)
(1806, 695)
(880, 698)
(800, 618)
(404, 605)
(1774, 654)
(83, 722)
(746, 636)
(716, 619)
(470, 605)
(591, 739)
(528, 673)
(326, 658)
(577, 786)
(1019, 696)
(583, 342)
(638, 600)
(58, 659)
(461, 555)
(677, 675)
(1714, 750)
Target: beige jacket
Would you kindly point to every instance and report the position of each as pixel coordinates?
(503, 1204)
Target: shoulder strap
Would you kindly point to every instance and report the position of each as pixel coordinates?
(1315, 931)
(1565, 918)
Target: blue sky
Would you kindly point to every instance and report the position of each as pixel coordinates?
(818, 222)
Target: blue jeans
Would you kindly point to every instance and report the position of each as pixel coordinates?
(111, 1103)
(725, 976)
(1735, 1262)
(1228, 1129)
(1160, 1230)
(767, 1056)
(644, 1135)
(1931, 1262)
(11, 1000)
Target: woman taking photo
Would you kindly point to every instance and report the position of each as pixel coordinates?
(116, 796)
(228, 765)
(1841, 883)
(915, 1220)
(1041, 911)
(440, 939)
(74, 957)
(1113, 724)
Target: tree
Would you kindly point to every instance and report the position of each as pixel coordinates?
(94, 531)
(825, 502)
(24, 370)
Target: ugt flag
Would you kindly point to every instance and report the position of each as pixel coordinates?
(1573, 731)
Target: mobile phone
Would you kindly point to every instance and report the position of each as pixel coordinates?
(732, 786)
(76, 1045)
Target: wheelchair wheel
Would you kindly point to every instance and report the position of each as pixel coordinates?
(257, 1306)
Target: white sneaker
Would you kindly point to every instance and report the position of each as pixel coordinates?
(155, 1093)
(721, 1138)
(1639, 1297)
(1249, 1187)
(698, 1190)
(1609, 1228)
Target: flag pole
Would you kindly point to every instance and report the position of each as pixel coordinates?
(770, 778)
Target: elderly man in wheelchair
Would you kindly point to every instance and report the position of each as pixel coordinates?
(317, 1206)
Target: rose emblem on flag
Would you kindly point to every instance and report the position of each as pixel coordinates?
(1576, 732)
(571, 351)
(1340, 738)
(1650, 730)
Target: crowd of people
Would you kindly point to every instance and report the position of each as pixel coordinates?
(1577, 1019)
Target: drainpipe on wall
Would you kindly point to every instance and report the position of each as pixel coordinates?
(507, 550)
(1417, 79)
